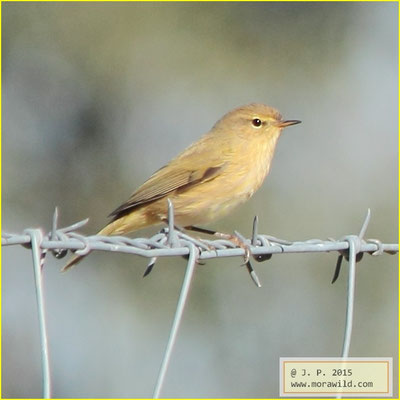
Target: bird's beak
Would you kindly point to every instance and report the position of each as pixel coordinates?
(284, 124)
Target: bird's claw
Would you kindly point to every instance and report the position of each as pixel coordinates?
(239, 242)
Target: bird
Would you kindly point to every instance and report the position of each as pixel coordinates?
(210, 178)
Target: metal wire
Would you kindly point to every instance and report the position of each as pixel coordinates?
(350, 296)
(37, 256)
(177, 319)
(173, 242)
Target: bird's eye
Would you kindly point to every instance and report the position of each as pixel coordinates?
(256, 122)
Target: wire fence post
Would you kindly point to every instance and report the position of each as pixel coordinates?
(354, 248)
(177, 319)
(351, 284)
(36, 239)
(350, 296)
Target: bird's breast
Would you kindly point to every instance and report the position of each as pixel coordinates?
(237, 182)
(255, 166)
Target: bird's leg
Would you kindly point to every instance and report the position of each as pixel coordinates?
(235, 239)
(201, 230)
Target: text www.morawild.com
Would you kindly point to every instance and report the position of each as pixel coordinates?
(342, 383)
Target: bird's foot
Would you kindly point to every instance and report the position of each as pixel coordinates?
(238, 241)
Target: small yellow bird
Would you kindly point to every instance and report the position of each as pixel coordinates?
(207, 180)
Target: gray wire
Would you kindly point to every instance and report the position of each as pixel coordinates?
(173, 242)
(36, 236)
(177, 319)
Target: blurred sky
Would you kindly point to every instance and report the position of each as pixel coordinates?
(97, 96)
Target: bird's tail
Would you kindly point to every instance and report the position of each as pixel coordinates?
(78, 258)
(74, 260)
(120, 226)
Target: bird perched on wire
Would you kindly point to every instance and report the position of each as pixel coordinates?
(210, 178)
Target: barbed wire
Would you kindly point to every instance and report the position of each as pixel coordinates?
(172, 241)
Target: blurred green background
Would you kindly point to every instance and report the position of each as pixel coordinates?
(97, 96)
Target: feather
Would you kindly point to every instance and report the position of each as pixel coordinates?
(164, 181)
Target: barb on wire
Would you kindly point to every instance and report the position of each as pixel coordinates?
(256, 239)
(345, 253)
(157, 245)
(53, 236)
(172, 241)
(252, 273)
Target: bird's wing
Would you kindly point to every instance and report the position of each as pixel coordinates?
(169, 178)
